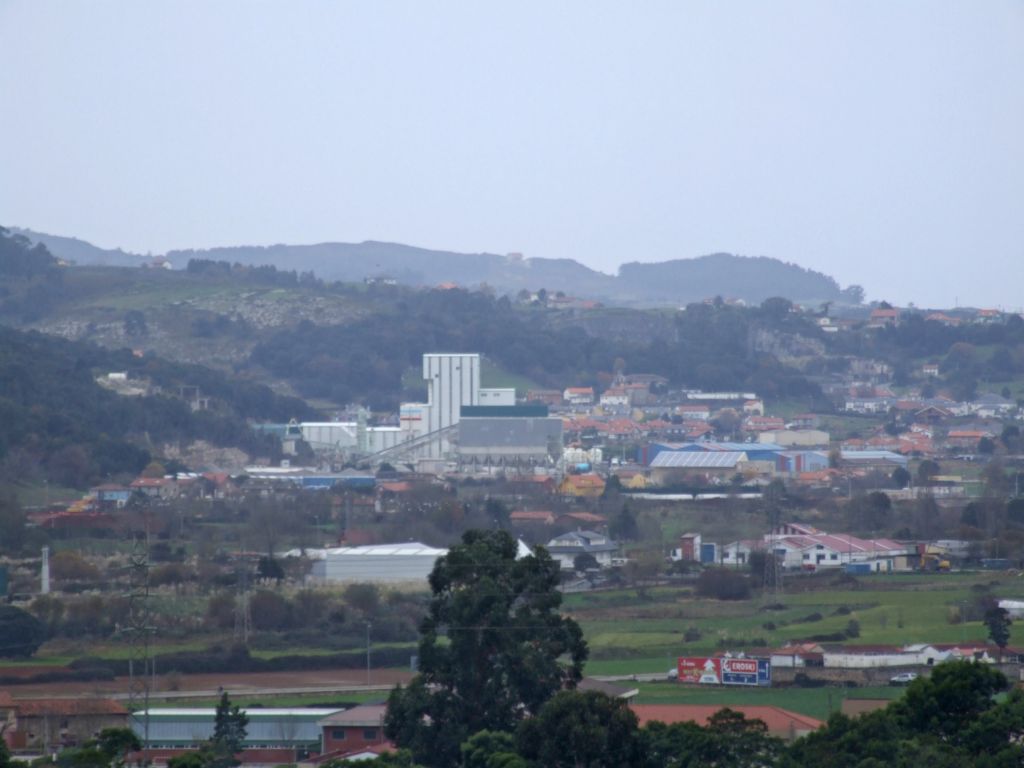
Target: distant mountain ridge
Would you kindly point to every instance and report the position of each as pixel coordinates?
(674, 282)
(81, 251)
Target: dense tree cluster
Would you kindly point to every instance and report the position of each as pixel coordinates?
(264, 274)
(709, 347)
(57, 423)
(20, 259)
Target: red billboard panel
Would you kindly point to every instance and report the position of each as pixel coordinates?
(700, 669)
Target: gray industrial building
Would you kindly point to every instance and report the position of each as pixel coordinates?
(187, 728)
(514, 436)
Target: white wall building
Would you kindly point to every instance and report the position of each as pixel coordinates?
(795, 438)
(865, 657)
(505, 396)
(453, 380)
(410, 562)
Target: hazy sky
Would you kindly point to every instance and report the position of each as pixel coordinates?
(881, 142)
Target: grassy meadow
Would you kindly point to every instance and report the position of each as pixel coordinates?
(639, 632)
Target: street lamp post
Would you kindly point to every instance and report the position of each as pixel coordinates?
(367, 654)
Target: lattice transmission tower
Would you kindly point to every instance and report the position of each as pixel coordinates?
(773, 570)
(243, 611)
(138, 632)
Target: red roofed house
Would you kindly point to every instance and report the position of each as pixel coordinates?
(546, 396)
(764, 423)
(988, 316)
(620, 429)
(780, 722)
(51, 724)
(967, 438)
(941, 317)
(581, 519)
(354, 729)
(532, 516)
(753, 407)
(883, 317)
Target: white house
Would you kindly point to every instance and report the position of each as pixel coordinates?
(738, 552)
(579, 395)
(567, 547)
(804, 547)
(615, 397)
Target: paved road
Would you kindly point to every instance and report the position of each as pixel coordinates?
(642, 677)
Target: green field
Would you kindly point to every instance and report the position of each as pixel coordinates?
(630, 633)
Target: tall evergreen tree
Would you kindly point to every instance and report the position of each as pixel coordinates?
(229, 731)
(490, 648)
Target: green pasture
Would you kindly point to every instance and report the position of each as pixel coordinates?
(624, 628)
(147, 295)
(42, 494)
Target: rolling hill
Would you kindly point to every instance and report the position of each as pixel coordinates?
(672, 283)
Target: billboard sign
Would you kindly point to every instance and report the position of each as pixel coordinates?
(746, 672)
(700, 670)
(709, 670)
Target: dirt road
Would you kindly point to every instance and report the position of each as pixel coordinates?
(259, 683)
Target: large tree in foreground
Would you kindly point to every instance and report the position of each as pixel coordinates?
(493, 648)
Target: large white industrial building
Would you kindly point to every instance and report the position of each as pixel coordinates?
(426, 429)
(381, 563)
(391, 563)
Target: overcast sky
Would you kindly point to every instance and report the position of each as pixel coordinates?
(880, 142)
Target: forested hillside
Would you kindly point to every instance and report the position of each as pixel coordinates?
(752, 279)
(57, 423)
(708, 347)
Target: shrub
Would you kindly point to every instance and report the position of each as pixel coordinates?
(853, 628)
(835, 637)
(363, 597)
(21, 633)
(170, 573)
(846, 581)
(269, 610)
(220, 611)
(692, 634)
(809, 618)
(723, 584)
(70, 566)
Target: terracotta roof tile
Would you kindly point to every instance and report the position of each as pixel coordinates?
(780, 722)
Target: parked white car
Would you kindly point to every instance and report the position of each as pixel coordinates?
(903, 678)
